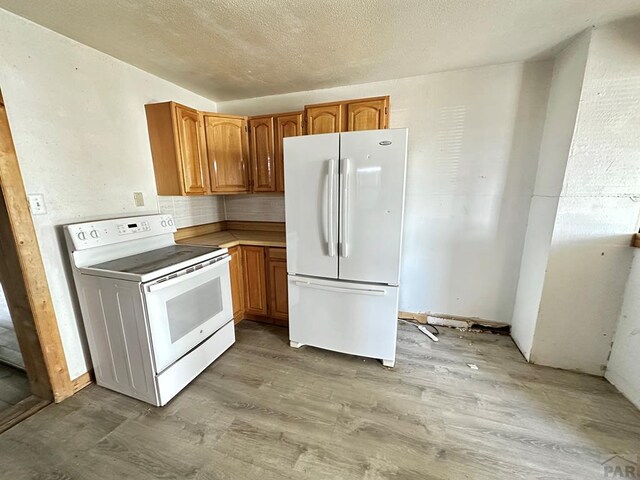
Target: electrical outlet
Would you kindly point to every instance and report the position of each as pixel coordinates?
(36, 204)
(138, 198)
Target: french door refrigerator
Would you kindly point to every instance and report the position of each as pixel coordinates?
(344, 212)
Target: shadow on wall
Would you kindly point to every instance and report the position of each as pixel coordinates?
(486, 161)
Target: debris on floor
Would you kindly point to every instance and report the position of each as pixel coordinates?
(472, 366)
(428, 333)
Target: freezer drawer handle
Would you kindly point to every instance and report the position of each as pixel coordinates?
(357, 291)
(189, 273)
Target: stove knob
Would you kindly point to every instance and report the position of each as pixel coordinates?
(163, 223)
(170, 222)
(82, 236)
(94, 234)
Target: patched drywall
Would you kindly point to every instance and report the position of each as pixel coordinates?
(598, 209)
(622, 369)
(230, 49)
(473, 149)
(78, 122)
(562, 109)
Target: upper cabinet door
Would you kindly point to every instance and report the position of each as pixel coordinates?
(324, 118)
(194, 175)
(263, 160)
(226, 149)
(371, 114)
(289, 125)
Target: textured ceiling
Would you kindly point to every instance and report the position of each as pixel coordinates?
(230, 49)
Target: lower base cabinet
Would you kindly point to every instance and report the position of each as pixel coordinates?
(259, 284)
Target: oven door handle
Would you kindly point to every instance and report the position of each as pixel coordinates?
(154, 287)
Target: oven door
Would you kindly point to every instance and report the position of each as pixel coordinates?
(186, 308)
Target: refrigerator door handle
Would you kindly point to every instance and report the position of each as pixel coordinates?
(344, 220)
(357, 291)
(331, 242)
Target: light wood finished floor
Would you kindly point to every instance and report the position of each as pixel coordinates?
(266, 411)
(14, 387)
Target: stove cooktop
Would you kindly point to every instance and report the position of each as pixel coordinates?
(155, 260)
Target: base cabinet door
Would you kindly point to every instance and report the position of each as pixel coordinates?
(278, 287)
(255, 284)
(237, 283)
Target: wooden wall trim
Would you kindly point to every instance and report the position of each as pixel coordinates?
(28, 297)
(21, 410)
(82, 381)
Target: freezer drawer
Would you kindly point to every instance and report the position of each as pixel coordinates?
(347, 317)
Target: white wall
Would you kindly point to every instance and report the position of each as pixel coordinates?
(598, 209)
(79, 126)
(622, 369)
(473, 149)
(562, 109)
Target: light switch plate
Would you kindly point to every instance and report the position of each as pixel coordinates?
(36, 204)
(138, 198)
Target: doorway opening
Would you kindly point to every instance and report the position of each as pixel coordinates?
(37, 367)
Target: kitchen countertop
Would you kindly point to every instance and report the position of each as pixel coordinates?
(232, 238)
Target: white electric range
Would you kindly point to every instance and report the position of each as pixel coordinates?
(156, 313)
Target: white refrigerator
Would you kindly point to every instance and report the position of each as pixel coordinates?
(344, 212)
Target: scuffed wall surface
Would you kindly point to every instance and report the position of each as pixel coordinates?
(598, 209)
(473, 149)
(78, 122)
(562, 109)
(622, 369)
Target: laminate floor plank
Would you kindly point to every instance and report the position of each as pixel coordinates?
(266, 411)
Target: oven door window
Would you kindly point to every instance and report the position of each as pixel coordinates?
(184, 311)
(194, 308)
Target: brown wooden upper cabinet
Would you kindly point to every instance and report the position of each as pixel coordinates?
(324, 118)
(368, 114)
(176, 148)
(198, 153)
(226, 152)
(347, 116)
(263, 159)
(287, 125)
(266, 134)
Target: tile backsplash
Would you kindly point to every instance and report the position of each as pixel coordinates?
(188, 211)
(255, 207)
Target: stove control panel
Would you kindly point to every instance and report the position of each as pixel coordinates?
(106, 232)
